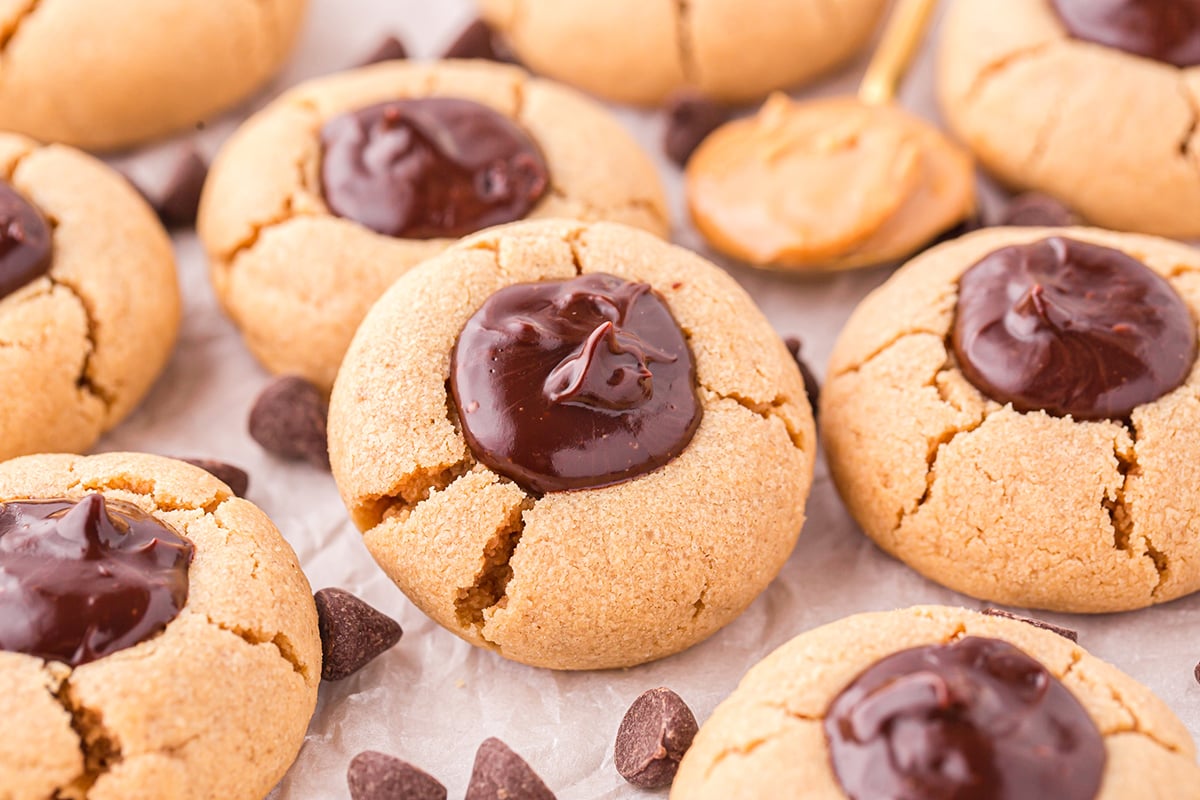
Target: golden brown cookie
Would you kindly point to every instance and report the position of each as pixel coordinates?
(298, 278)
(104, 76)
(827, 184)
(1085, 507)
(89, 305)
(1110, 132)
(214, 704)
(603, 573)
(639, 51)
(772, 731)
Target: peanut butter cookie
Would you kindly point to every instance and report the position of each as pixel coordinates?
(1014, 415)
(332, 192)
(573, 444)
(937, 702)
(157, 637)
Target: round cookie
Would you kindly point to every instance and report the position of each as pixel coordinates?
(772, 731)
(1088, 508)
(104, 76)
(1109, 131)
(731, 50)
(214, 704)
(575, 564)
(89, 305)
(297, 278)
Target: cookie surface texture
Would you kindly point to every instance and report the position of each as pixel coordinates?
(768, 734)
(639, 51)
(297, 279)
(83, 342)
(1043, 110)
(1021, 508)
(217, 703)
(103, 76)
(592, 578)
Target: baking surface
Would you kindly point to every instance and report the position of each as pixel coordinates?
(433, 698)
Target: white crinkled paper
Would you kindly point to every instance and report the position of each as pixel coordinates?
(433, 698)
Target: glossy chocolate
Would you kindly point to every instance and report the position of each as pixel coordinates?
(1164, 30)
(1072, 329)
(430, 168)
(82, 580)
(973, 720)
(25, 242)
(574, 384)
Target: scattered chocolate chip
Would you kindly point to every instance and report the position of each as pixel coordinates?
(655, 733)
(179, 200)
(288, 420)
(233, 477)
(1036, 210)
(1066, 633)
(478, 40)
(1196, 673)
(352, 633)
(501, 774)
(811, 386)
(375, 776)
(390, 49)
(691, 117)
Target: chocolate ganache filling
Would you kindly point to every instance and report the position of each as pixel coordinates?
(973, 720)
(574, 384)
(82, 580)
(1164, 30)
(1071, 328)
(430, 168)
(25, 241)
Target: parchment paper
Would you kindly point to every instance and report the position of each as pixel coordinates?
(433, 698)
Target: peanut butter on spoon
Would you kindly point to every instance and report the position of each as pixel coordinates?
(833, 183)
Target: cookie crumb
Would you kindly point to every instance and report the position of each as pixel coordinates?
(1066, 633)
(390, 49)
(377, 776)
(478, 40)
(690, 118)
(352, 633)
(179, 201)
(812, 387)
(288, 420)
(235, 478)
(501, 774)
(1034, 209)
(655, 733)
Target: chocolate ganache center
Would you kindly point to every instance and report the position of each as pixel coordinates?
(430, 168)
(82, 580)
(1071, 328)
(25, 241)
(973, 720)
(1164, 30)
(574, 384)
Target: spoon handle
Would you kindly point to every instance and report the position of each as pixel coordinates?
(904, 32)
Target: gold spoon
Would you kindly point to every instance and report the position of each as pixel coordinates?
(833, 183)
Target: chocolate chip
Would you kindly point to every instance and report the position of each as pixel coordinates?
(1066, 633)
(1036, 210)
(179, 201)
(233, 477)
(655, 733)
(1196, 673)
(811, 386)
(376, 776)
(390, 49)
(352, 633)
(501, 774)
(478, 40)
(288, 420)
(691, 117)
